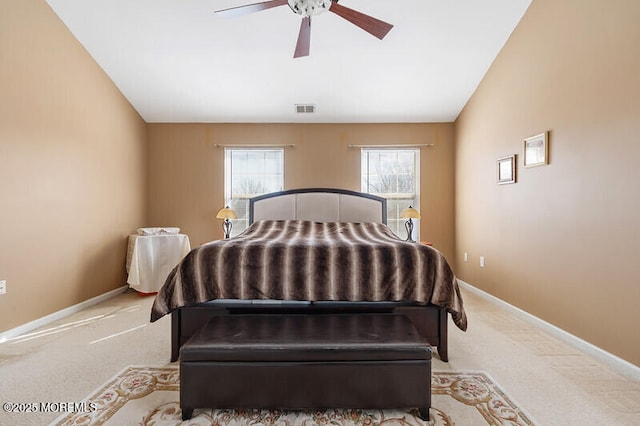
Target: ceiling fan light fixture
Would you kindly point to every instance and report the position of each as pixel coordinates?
(309, 7)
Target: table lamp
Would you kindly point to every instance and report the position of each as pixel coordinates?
(227, 214)
(410, 214)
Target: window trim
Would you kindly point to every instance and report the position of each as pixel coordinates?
(416, 182)
(228, 182)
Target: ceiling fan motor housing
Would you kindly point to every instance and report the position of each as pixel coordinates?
(309, 7)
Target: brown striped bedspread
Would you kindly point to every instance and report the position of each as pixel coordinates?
(312, 261)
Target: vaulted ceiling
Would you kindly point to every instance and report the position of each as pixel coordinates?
(178, 61)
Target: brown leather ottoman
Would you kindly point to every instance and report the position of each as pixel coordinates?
(306, 362)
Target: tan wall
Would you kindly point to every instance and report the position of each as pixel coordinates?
(72, 168)
(186, 168)
(563, 242)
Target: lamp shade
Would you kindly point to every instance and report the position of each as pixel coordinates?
(410, 213)
(226, 213)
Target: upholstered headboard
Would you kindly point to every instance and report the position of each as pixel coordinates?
(319, 204)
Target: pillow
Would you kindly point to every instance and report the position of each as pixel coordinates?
(158, 231)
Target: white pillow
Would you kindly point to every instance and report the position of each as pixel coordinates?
(158, 231)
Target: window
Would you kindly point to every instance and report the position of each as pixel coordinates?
(248, 173)
(395, 175)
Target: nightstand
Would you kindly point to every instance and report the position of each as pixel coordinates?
(150, 258)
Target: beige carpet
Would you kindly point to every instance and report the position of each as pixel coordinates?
(149, 396)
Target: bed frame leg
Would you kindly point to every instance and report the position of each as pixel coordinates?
(175, 335)
(443, 345)
(442, 353)
(187, 413)
(423, 413)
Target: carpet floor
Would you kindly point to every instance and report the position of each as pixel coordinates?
(150, 396)
(58, 365)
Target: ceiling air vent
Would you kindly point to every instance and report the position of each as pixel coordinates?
(305, 108)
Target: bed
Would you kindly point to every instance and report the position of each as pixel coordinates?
(312, 251)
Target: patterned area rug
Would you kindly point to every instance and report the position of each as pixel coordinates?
(150, 396)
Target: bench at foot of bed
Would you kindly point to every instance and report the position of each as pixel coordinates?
(317, 361)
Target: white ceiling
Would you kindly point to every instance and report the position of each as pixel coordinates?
(177, 61)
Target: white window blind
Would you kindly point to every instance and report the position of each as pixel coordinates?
(395, 175)
(249, 172)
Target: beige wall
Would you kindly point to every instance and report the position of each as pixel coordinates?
(187, 169)
(560, 243)
(563, 242)
(72, 168)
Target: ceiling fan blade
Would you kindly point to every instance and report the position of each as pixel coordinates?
(304, 38)
(368, 23)
(250, 8)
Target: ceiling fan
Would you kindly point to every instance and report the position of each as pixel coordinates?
(308, 8)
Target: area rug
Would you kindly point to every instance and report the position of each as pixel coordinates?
(150, 396)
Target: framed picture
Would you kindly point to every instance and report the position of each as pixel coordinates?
(535, 150)
(507, 169)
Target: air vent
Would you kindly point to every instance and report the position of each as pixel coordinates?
(305, 108)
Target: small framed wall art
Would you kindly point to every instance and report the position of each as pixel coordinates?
(506, 171)
(536, 152)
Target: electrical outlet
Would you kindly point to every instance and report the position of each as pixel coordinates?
(3, 286)
(466, 256)
(482, 261)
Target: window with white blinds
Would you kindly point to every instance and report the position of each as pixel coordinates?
(249, 172)
(395, 175)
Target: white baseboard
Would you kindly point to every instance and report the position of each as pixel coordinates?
(25, 328)
(624, 367)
